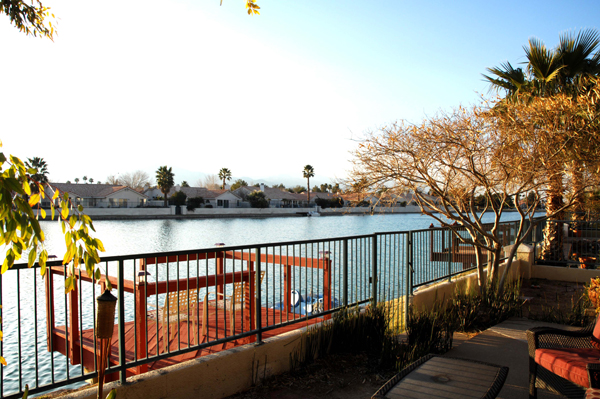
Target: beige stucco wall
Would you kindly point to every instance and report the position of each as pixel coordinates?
(424, 297)
(209, 377)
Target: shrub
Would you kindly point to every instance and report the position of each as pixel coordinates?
(194, 202)
(476, 312)
(178, 198)
(336, 202)
(257, 199)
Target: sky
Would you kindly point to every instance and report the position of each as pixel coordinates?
(135, 85)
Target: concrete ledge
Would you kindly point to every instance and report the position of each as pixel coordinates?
(209, 377)
(573, 275)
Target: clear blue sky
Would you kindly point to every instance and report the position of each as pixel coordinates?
(190, 84)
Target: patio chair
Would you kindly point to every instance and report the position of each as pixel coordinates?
(564, 361)
(231, 303)
(179, 306)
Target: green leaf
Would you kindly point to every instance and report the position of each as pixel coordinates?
(108, 284)
(31, 258)
(26, 187)
(99, 245)
(69, 284)
(36, 227)
(112, 394)
(26, 392)
(80, 208)
(97, 275)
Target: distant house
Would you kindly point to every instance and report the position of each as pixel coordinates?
(215, 198)
(102, 195)
(277, 198)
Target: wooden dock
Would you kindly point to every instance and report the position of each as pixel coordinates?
(150, 335)
(463, 251)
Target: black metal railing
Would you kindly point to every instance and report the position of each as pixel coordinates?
(571, 243)
(175, 306)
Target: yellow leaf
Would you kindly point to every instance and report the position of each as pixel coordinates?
(34, 199)
(3, 361)
(43, 213)
(1, 336)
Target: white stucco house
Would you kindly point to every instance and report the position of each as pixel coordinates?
(214, 198)
(101, 195)
(277, 198)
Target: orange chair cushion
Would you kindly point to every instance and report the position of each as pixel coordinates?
(595, 340)
(569, 363)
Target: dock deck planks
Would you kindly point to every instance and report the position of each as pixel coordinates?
(179, 338)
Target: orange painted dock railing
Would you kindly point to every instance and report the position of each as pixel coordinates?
(142, 335)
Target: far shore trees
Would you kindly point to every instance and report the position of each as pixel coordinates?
(258, 199)
(224, 174)
(211, 182)
(135, 180)
(165, 180)
(238, 183)
(308, 172)
(450, 160)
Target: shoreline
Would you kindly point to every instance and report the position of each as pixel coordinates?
(230, 213)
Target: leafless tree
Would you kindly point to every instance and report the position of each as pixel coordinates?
(448, 161)
(112, 179)
(135, 180)
(210, 182)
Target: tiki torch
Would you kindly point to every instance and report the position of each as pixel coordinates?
(105, 323)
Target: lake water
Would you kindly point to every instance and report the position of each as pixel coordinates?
(126, 237)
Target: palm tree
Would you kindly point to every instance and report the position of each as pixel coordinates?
(77, 180)
(41, 172)
(549, 72)
(308, 172)
(224, 174)
(165, 180)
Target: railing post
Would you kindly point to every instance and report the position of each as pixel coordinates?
(374, 268)
(121, 303)
(408, 282)
(258, 304)
(345, 267)
(449, 253)
(73, 331)
(140, 311)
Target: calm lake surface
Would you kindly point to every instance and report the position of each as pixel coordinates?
(126, 237)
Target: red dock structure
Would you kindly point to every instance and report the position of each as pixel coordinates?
(462, 251)
(147, 336)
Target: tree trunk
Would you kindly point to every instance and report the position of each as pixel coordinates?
(552, 249)
(577, 192)
(480, 280)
